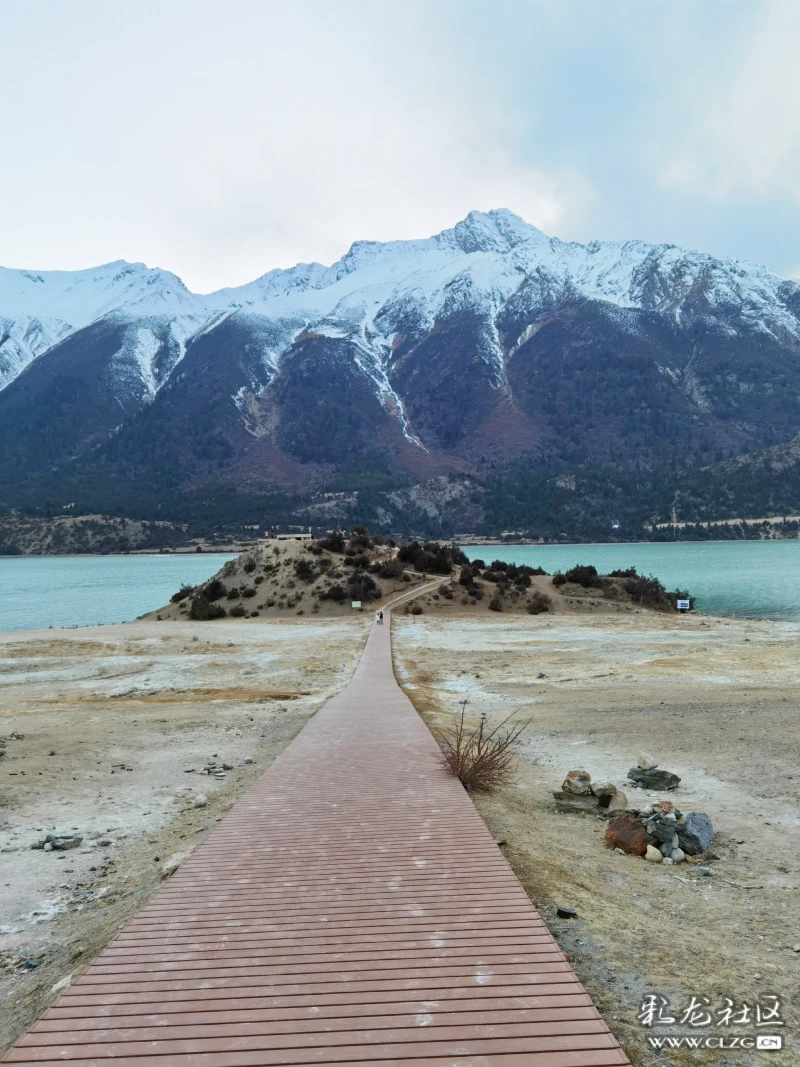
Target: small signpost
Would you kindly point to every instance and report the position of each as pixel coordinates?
(355, 604)
(683, 605)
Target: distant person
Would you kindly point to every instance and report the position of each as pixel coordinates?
(379, 618)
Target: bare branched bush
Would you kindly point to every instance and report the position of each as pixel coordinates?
(480, 758)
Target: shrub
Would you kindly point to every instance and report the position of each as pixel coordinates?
(629, 573)
(391, 568)
(182, 593)
(250, 591)
(539, 602)
(304, 569)
(481, 759)
(259, 579)
(334, 542)
(559, 579)
(333, 592)
(586, 576)
(203, 609)
(253, 614)
(233, 593)
(416, 610)
(495, 604)
(432, 557)
(249, 565)
(362, 587)
(213, 590)
(238, 612)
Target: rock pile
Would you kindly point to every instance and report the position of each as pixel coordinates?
(58, 842)
(579, 793)
(217, 770)
(646, 774)
(661, 833)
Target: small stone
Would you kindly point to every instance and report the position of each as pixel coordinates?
(619, 802)
(227, 766)
(653, 855)
(668, 861)
(566, 913)
(578, 782)
(661, 829)
(572, 803)
(603, 789)
(200, 800)
(628, 833)
(52, 752)
(677, 855)
(653, 779)
(620, 851)
(48, 846)
(645, 762)
(249, 761)
(706, 872)
(173, 863)
(796, 948)
(57, 988)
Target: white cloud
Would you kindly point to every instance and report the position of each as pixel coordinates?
(220, 148)
(743, 131)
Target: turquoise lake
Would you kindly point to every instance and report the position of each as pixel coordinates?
(754, 579)
(41, 591)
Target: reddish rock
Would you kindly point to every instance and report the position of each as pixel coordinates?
(628, 833)
(578, 782)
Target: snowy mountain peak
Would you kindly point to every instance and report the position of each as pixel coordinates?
(496, 231)
(478, 264)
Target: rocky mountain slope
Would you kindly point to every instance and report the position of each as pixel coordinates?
(485, 352)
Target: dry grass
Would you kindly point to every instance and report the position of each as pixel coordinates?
(481, 758)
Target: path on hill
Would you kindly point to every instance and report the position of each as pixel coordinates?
(350, 908)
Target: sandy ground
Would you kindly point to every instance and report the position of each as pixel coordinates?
(117, 725)
(715, 701)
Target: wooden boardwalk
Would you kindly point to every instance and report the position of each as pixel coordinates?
(351, 908)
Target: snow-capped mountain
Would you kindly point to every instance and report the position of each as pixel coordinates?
(481, 345)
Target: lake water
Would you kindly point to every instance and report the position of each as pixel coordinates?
(755, 579)
(41, 591)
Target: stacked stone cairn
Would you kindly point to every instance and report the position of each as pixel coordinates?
(659, 832)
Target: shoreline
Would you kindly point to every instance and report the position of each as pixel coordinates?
(602, 544)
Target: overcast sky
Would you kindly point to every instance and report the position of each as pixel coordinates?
(221, 138)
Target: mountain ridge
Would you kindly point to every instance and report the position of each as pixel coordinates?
(486, 346)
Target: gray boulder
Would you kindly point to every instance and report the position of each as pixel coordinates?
(695, 834)
(654, 779)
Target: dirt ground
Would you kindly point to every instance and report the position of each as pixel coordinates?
(118, 724)
(715, 701)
